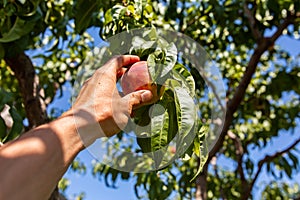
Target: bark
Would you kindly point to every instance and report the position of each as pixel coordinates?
(56, 195)
(239, 94)
(262, 162)
(201, 183)
(28, 81)
(239, 157)
(32, 96)
(263, 44)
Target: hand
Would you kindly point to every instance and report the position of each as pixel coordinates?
(99, 109)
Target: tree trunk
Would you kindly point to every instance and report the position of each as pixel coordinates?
(32, 96)
(201, 184)
(28, 81)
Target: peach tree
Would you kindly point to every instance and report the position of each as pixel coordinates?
(42, 44)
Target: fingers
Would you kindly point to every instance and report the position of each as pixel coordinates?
(123, 60)
(119, 62)
(121, 72)
(138, 98)
(114, 67)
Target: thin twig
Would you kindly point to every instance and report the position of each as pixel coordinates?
(268, 159)
(239, 154)
(252, 23)
(214, 164)
(289, 20)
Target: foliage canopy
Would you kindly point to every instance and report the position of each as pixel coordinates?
(262, 81)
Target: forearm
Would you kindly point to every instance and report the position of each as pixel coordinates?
(32, 165)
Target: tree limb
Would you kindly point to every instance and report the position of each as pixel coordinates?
(267, 159)
(239, 154)
(28, 81)
(233, 103)
(288, 20)
(252, 23)
(201, 183)
(214, 164)
(239, 94)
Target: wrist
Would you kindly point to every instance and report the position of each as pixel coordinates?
(66, 128)
(85, 126)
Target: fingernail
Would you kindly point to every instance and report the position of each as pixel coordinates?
(146, 96)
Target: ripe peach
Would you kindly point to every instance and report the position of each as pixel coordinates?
(136, 78)
(172, 149)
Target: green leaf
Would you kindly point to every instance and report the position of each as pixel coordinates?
(159, 127)
(162, 61)
(139, 5)
(108, 17)
(22, 1)
(2, 129)
(142, 119)
(84, 11)
(2, 51)
(171, 107)
(159, 132)
(141, 47)
(294, 160)
(17, 124)
(182, 75)
(141, 115)
(274, 6)
(118, 12)
(171, 58)
(153, 136)
(19, 29)
(186, 118)
(28, 10)
(4, 3)
(286, 166)
(5, 97)
(151, 34)
(201, 149)
(144, 143)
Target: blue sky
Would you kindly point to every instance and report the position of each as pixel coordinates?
(96, 189)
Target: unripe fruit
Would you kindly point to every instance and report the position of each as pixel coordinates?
(136, 78)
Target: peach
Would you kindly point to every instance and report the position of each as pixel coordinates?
(172, 149)
(136, 78)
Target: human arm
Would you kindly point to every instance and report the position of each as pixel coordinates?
(31, 166)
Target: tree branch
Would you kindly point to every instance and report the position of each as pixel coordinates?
(267, 159)
(233, 103)
(239, 154)
(214, 164)
(252, 23)
(288, 20)
(239, 94)
(201, 183)
(28, 81)
(263, 45)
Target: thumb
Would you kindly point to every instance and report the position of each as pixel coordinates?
(139, 98)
